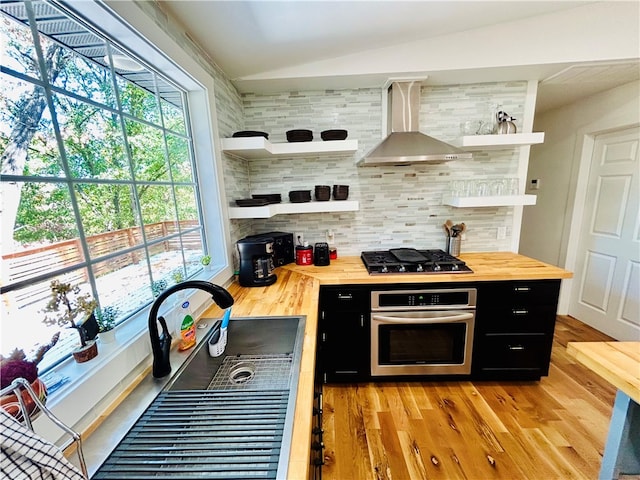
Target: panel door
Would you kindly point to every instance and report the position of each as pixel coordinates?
(606, 288)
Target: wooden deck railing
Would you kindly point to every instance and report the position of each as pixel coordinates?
(30, 263)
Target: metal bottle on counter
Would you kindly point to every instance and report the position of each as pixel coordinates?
(304, 254)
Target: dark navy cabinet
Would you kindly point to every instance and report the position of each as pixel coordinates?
(343, 334)
(515, 321)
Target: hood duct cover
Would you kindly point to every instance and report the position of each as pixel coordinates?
(405, 144)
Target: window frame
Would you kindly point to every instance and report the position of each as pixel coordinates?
(128, 24)
(120, 364)
(193, 116)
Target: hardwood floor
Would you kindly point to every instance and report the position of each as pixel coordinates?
(552, 429)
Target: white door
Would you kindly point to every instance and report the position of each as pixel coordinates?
(606, 286)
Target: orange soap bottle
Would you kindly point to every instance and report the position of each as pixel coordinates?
(187, 329)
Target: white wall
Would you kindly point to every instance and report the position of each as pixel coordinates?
(546, 227)
(595, 31)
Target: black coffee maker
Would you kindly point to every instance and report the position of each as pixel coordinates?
(256, 261)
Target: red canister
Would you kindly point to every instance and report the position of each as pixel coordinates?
(304, 254)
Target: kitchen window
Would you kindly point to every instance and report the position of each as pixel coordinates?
(99, 173)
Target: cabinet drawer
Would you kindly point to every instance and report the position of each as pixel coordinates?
(519, 293)
(345, 375)
(530, 351)
(340, 299)
(517, 319)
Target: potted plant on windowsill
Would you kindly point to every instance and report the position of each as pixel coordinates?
(206, 262)
(158, 286)
(16, 365)
(177, 275)
(68, 306)
(106, 318)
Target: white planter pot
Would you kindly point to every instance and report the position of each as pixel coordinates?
(108, 336)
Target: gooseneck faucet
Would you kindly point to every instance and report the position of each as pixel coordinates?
(161, 344)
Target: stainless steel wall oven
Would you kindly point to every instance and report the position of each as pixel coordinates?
(422, 332)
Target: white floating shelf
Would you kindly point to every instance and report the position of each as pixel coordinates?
(268, 211)
(260, 147)
(492, 201)
(498, 142)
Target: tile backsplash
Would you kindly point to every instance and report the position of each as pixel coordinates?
(399, 205)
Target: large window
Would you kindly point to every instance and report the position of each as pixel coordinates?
(99, 184)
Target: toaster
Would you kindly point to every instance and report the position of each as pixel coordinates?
(321, 254)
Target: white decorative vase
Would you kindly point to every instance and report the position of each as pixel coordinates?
(108, 337)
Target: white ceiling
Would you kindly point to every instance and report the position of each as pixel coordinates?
(574, 48)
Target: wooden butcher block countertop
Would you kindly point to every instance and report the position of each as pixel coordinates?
(616, 362)
(296, 293)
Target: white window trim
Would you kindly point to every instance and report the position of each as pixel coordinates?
(95, 385)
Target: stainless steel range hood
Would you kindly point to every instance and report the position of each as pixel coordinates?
(405, 144)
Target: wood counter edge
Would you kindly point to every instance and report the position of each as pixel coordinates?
(580, 351)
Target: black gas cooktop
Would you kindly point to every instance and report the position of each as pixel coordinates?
(410, 260)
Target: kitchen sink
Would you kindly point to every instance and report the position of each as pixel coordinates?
(220, 417)
(247, 337)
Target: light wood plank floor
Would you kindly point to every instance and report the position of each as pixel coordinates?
(552, 429)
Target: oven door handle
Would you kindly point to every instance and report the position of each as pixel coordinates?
(459, 317)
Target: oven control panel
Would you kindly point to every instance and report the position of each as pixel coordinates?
(449, 298)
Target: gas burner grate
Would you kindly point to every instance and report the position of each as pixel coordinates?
(411, 261)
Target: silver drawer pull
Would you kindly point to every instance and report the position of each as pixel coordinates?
(515, 347)
(345, 296)
(520, 312)
(521, 289)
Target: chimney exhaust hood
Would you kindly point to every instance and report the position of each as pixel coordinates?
(405, 144)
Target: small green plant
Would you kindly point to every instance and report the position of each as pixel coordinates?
(177, 275)
(68, 306)
(205, 260)
(106, 318)
(157, 287)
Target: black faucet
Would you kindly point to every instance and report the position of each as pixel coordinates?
(161, 344)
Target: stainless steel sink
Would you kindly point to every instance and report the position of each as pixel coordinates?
(226, 417)
(270, 336)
